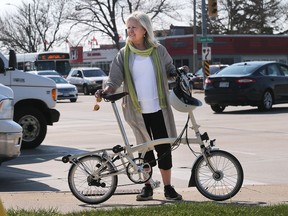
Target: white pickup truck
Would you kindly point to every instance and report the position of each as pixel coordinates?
(34, 101)
(10, 131)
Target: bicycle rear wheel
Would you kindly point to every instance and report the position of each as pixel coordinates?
(225, 182)
(88, 188)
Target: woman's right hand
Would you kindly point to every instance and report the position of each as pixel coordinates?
(98, 94)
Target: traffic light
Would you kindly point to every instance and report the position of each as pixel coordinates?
(212, 8)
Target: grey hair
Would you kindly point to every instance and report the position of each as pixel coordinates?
(146, 23)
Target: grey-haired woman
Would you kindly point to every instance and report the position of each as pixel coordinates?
(144, 67)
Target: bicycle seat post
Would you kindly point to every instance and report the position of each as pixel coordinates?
(193, 122)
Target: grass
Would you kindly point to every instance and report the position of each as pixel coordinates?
(182, 209)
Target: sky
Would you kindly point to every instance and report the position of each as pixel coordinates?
(5, 7)
(11, 6)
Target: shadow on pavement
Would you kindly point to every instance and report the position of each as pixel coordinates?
(15, 178)
(255, 111)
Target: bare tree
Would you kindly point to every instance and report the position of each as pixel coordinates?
(106, 16)
(36, 26)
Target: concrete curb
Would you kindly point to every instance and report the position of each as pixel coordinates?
(65, 202)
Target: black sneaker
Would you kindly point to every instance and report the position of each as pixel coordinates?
(171, 194)
(146, 193)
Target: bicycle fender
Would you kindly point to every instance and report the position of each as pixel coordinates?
(192, 182)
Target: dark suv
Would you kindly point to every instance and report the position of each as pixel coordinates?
(87, 80)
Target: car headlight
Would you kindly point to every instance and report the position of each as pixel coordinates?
(90, 82)
(6, 108)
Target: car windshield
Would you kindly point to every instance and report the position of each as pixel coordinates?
(239, 69)
(58, 79)
(93, 73)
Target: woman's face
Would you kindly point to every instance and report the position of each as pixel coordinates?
(135, 31)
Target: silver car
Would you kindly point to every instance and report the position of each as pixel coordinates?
(65, 90)
(87, 80)
(10, 131)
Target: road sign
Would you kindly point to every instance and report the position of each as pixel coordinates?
(206, 53)
(205, 39)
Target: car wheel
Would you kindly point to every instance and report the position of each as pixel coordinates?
(73, 100)
(86, 90)
(34, 126)
(218, 108)
(267, 101)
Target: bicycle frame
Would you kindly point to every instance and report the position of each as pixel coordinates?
(142, 148)
(93, 176)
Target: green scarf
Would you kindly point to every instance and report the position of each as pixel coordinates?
(131, 88)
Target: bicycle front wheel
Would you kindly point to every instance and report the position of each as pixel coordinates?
(89, 179)
(227, 179)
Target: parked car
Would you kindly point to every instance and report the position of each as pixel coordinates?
(255, 83)
(196, 79)
(10, 131)
(65, 90)
(87, 80)
(45, 72)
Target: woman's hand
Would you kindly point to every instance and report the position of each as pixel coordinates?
(98, 94)
(184, 68)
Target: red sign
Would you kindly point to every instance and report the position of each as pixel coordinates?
(76, 54)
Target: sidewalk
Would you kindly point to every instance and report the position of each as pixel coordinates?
(65, 202)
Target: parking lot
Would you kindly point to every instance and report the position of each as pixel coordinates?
(257, 139)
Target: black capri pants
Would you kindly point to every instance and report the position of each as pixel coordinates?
(156, 129)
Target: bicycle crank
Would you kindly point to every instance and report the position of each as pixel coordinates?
(95, 182)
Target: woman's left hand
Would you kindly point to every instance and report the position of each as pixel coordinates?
(184, 68)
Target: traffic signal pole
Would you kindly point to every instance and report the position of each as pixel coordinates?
(212, 12)
(195, 54)
(204, 34)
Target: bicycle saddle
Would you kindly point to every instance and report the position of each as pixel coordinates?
(114, 97)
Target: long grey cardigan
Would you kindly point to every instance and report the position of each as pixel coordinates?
(132, 117)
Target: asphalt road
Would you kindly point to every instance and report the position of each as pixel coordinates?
(257, 139)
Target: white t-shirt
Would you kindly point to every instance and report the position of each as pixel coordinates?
(145, 84)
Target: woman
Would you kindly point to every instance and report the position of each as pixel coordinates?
(144, 66)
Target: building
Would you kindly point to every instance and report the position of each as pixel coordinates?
(97, 57)
(228, 49)
(178, 40)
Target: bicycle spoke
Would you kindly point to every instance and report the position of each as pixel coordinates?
(225, 181)
(88, 188)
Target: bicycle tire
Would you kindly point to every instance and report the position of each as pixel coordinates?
(100, 189)
(226, 182)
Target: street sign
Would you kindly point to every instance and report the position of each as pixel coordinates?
(205, 39)
(206, 53)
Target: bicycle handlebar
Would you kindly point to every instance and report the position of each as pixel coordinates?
(109, 98)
